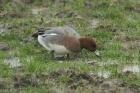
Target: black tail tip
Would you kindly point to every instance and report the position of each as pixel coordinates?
(41, 31)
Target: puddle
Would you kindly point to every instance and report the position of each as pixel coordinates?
(13, 62)
(104, 74)
(131, 68)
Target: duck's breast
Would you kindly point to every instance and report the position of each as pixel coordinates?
(52, 41)
(72, 44)
(59, 49)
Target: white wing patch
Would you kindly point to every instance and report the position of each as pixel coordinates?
(50, 34)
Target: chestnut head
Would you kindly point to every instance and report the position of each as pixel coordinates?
(88, 43)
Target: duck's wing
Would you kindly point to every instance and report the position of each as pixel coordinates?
(55, 36)
(63, 30)
(69, 42)
(65, 36)
(52, 36)
(71, 31)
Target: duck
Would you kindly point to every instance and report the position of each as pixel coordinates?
(61, 41)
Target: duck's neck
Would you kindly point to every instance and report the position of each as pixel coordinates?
(88, 43)
(84, 42)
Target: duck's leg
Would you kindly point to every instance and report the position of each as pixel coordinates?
(52, 54)
(68, 56)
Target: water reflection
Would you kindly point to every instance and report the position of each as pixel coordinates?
(104, 74)
(13, 62)
(131, 68)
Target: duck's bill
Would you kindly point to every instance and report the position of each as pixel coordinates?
(97, 53)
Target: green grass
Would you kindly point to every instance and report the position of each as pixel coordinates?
(115, 18)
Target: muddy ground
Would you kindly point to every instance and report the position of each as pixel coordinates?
(73, 81)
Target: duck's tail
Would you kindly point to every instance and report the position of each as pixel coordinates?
(40, 31)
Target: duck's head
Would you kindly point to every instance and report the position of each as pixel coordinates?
(88, 43)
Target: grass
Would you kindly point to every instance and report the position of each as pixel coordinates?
(115, 18)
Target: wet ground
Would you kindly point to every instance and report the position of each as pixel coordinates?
(13, 62)
(72, 80)
(75, 81)
(111, 34)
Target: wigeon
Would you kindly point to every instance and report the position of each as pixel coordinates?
(63, 41)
